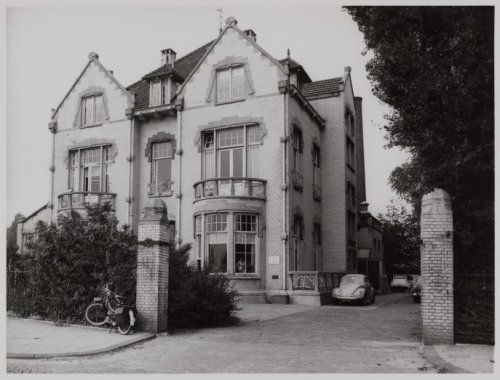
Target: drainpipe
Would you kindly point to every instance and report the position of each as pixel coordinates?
(130, 160)
(283, 88)
(52, 168)
(179, 103)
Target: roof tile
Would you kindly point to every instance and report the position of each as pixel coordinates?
(322, 87)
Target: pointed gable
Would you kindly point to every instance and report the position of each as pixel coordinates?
(93, 78)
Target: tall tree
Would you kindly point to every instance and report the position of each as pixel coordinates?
(434, 66)
(12, 238)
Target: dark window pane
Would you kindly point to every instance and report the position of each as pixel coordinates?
(217, 257)
(164, 170)
(224, 163)
(238, 163)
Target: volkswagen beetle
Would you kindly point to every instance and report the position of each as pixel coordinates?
(354, 288)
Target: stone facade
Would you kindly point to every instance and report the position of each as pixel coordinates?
(436, 262)
(283, 206)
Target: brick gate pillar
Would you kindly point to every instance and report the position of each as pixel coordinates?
(436, 264)
(152, 268)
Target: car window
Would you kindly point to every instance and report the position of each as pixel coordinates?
(351, 280)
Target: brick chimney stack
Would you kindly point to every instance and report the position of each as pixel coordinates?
(168, 56)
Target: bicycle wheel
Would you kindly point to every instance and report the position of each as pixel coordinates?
(96, 314)
(128, 323)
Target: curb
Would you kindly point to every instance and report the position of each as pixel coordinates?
(431, 355)
(113, 347)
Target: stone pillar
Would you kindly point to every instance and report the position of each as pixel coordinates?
(436, 263)
(152, 268)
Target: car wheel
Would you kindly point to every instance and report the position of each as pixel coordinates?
(336, 301)
(373, 298)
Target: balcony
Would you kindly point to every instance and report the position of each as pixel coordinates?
(77, 200)
(230, 187)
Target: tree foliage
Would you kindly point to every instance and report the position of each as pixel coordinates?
(401, 239)
(72, 260)
(198, 297)
(434, 66)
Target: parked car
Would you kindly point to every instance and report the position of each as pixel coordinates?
(354, 288)
(416, 291)
(400, 282)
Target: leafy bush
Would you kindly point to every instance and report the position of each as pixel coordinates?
(197, 297)
(73, 259)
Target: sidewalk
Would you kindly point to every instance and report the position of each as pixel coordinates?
(32, 339)
(460, 358)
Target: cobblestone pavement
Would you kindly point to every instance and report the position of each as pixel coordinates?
(318, 340)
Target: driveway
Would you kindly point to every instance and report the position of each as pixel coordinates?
(327, 339)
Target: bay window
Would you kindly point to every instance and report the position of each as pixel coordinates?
(231, 152)
(89, 169)
(216, 241)
(245, 236)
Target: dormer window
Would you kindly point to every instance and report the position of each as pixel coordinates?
(92, 110)
(230, 84)
(159, 93)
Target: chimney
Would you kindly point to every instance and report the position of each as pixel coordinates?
(363, 207)
(168, 56)
(251, 34)
(347, 69)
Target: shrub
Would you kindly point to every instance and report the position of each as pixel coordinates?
(198, 298)
(73, 259)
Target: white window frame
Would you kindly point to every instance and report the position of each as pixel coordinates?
(254, 232)
(221, 227)
(216, 148)
(155, 160)
(91, 101)
(77, 168)
(164, 95)
(230, 70)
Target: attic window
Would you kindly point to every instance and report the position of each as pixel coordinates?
(159, 92)
(230, 84)
(92, 110)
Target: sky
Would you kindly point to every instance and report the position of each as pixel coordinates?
(47, 48)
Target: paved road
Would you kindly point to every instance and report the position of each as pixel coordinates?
(318, 340)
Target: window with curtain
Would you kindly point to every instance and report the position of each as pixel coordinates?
(89, 169)
(230, 84)
(216, 240)
(245, 234)
(225, 152)
(161, 166)
(92, 110)
(158, 92)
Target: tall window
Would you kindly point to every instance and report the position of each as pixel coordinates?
(231, 152)
(230, 84)
(216, 234)
(92, 110)
(197, 240)
(89, 169)
(158, 92)
(317, 245)
(297, 144)
(29, 238)
(316, 172)
(349, 123)
(350, 153)
(351, 224)
(297, 238)
(245, 233)
(161, 166)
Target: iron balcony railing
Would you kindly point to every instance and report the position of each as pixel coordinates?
(230, 187)
(79, 199)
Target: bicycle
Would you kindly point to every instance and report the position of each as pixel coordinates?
(112, 310)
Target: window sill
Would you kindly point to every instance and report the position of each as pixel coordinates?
(229, 101)
(158, 195)
(91, 125)
(244, 276)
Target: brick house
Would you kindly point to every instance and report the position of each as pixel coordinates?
(258, 164)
